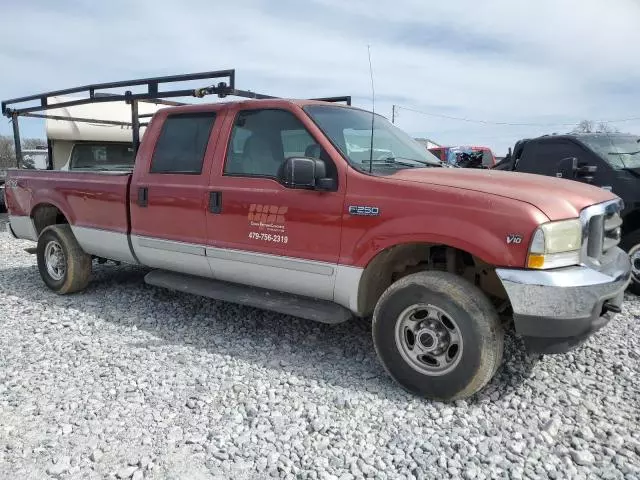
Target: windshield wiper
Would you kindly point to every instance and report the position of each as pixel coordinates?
(402, 161)
(624, 153)
(423, 162)
(388, 161)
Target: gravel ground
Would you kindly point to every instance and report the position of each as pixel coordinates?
(130, 381)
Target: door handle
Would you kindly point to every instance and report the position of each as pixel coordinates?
(215, 202)
(143, 196)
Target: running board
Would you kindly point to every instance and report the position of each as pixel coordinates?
(285, 303)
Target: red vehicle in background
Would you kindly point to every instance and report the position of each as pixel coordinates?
(465, 156)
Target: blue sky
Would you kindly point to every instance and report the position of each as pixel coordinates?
(549, 62)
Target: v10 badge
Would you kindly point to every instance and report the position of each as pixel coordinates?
(514, 239)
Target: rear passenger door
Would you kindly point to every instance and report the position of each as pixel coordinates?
(169, 192)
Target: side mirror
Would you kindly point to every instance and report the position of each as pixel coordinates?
(586, 169)
(306, 173)
(567, 168)
(585, 172)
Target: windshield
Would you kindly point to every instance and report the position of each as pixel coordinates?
(350, 131)
(620, 151)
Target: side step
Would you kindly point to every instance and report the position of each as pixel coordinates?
(285, 303)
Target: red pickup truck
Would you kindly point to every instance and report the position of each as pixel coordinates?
(262, 202)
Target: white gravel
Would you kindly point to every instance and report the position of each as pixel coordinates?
(130, 381)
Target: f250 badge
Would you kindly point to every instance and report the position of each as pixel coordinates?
(363, 210)
(514, 238)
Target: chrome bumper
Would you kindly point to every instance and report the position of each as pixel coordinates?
(556, 310)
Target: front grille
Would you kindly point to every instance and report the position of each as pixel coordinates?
(601, 226)
(612, 230)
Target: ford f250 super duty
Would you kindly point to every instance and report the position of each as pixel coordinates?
(265, 202)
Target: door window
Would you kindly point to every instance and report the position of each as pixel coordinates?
(182, 143)
(261, 140)
(545, 157)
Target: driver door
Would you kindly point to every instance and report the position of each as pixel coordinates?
(266, 234)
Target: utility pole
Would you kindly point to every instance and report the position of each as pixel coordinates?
(393, 113)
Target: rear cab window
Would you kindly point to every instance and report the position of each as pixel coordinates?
(182, 143)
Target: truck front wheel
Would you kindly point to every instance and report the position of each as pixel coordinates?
(437, 335)
(63, 265)
(631, 244)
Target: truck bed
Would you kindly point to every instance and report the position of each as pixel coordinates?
(86, 199)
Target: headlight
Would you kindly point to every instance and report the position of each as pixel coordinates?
(556, 244)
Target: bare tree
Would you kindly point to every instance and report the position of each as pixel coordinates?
(589, 126)
(604, 127)
(8, 154)
(585, 126)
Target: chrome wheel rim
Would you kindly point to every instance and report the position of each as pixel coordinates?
(634, 255)
(428, 339)
(54, 260)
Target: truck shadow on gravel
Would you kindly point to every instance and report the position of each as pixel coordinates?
(342, 355)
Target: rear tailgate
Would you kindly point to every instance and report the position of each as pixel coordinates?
(96, 200)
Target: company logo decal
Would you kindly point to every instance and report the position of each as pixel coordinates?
(267, 217)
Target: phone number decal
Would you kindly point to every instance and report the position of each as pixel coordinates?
(268, 237)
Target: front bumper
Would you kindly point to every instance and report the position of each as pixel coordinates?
(557, 310)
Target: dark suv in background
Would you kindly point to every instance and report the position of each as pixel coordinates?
(606, 160)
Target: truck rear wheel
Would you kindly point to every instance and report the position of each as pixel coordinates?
(631, 244)
(437, 335)
(63, 265)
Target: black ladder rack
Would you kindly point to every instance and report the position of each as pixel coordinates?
(225, 87)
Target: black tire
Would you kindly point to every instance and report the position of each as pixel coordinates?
(631, 244)
(76, 271)
(482, 338)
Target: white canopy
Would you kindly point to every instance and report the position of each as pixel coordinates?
(72, 130)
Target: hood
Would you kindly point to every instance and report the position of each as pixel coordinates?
(557, 198)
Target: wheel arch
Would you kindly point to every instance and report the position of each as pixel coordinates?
(45, 214)
(399, 260)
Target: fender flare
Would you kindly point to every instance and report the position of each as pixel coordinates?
(54, 199)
